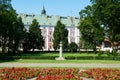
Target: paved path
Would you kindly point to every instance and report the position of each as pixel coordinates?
(81, 65)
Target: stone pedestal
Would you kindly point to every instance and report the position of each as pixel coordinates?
(60, 58)
(60, 53)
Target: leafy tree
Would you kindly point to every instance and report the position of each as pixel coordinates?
(5, 5)
(56, 36)
(36, 39)
(26, 42)
(73, 47)
(10, 26)
(90, 27)
(4, 21)
(108, 12)
(16, 35)
(60, 34)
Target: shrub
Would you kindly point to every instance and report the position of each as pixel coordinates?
(73, 47)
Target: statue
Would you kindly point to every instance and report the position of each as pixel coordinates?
(60, 53)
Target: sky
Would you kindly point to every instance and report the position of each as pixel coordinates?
(52, 7)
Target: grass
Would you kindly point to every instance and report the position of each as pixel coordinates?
(66, 61)
(55, 55)
(64, 54)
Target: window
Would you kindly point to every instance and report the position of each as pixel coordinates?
(63, 17)
(49, 16)
(76, 18)
(50, 39)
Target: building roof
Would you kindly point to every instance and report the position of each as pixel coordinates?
(46, 20)
(43, 12)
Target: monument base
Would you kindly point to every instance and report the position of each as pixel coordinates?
(60, 58)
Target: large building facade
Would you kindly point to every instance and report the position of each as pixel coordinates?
(47, 24)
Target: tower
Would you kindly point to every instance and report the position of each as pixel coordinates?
(43, 12)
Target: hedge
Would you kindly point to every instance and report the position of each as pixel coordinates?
(68, 57)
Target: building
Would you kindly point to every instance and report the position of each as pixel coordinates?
(47, 24)
(106, 45)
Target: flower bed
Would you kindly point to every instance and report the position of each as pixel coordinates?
(41, 74)
(18, 73)
(58, 74)
(101, 74)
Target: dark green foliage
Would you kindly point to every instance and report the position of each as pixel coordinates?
(101, 12)
(90, 27)
(108, 12)
(5, 5)
(73, 47)
(88, 45)
(26, 42)
(117, 37)
(56, 36)
(60, 34)
(66, 57)
(11, 27)
(12, 32)
(16, 35)
(35, 38)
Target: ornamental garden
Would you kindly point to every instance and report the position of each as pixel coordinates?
(58, 74)
(95, 39)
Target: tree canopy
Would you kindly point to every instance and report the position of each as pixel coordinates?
(60, 34)
(11, 27)
(103, 16)
(36, 39)
(73, 47)
(108, 12)
(91, 30)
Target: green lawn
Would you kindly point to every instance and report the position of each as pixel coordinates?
(64, 54)
(77, 58)
(66, 61)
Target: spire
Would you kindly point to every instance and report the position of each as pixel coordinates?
(43, 12)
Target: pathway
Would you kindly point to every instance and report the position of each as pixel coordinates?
(76, 65)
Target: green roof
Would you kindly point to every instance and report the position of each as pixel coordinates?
(50, 20)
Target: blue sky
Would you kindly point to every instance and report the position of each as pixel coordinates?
(53, 7)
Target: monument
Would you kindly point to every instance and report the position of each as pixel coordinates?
(60, 53)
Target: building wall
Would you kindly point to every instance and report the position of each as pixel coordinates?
(47, 24)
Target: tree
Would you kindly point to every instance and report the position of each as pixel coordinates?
(16, 35)
(5, 5)
(4, 22)
(36, 39)
(60, 34)
(11, 27)
(73, 47)
(90, 28)
(108, 12)
(26, 42)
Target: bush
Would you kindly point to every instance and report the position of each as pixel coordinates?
(100, 56)
(73, 47)
(39, 57)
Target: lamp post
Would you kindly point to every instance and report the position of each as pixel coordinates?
(60, 53)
